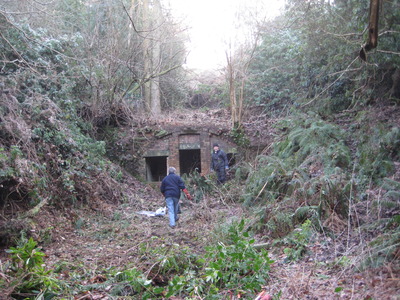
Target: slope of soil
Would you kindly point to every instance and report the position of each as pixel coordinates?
(117, 236)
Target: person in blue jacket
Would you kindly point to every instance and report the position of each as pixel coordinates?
(219, 163)
(171, 187)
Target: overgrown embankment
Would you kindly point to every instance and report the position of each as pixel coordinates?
(320, 199)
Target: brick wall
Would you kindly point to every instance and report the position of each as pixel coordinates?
(203, 140)
(173, 159)
(205, 152)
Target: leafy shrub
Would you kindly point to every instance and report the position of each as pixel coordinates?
(237, 266)
(198, 185)
(176, 261)
(131, 282)
(28, 271)
(239, 137)
(296, 243)
(26, 257)
(189, 283)
(6, 169)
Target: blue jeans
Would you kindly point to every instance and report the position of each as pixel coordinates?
(172, 205)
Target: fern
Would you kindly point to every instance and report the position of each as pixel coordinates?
(376, 151)
(306, 212)
(393, 195)
(269, 179)
(383, 249)
(314, 138)
(391, 142)
(387, 204)
(390, 184)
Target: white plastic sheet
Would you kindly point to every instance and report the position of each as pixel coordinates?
(158, 213)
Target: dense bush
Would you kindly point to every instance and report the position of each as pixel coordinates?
(308, 55)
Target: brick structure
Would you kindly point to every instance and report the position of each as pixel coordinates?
(187, 150)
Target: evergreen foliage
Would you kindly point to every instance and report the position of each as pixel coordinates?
(308, 166)
(309, 137)
(309, 55)
(307, 174)
(377, 149)
(69, 80)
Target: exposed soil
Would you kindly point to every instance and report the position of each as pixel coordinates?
(117, 236)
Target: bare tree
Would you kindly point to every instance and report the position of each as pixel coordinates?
(122, 51)
(153, 31)
(238, 58)
(152, 20)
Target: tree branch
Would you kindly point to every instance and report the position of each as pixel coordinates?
(388, 52)
(146, 79)
(328, 87)
(17, 53)
(134, 27)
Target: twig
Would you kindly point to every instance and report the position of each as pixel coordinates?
(4, 277)
(141, 31)
(265, 184)
(350, 206)
(388, 52)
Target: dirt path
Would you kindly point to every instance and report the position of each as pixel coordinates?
(116, 236)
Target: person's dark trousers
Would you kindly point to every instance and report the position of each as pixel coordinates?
(221, 175)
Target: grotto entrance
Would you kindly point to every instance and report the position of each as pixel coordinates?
(189, 161)
(186, 149)
(156, 168)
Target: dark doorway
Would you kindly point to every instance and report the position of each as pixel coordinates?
(156, 168)
(231, 159)
(189, 161)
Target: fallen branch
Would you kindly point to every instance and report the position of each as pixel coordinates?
(33, 211)
(262, 245)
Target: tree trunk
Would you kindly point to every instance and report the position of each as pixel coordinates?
(156, 59)
(152, 52)
(232, 90)
(395, 90)
(372, 29)
(373, 23)
(146, 55)
(132, 11)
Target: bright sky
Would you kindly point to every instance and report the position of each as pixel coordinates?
(211, 26)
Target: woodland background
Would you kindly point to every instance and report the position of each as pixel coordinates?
(86, 84)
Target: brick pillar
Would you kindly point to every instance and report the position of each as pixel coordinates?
(205, 152)
(173, 159)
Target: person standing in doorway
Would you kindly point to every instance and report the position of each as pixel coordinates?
(171, 187)
(219, 163)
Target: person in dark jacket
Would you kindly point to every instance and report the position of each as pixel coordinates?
(171, 187)
(219, 163)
